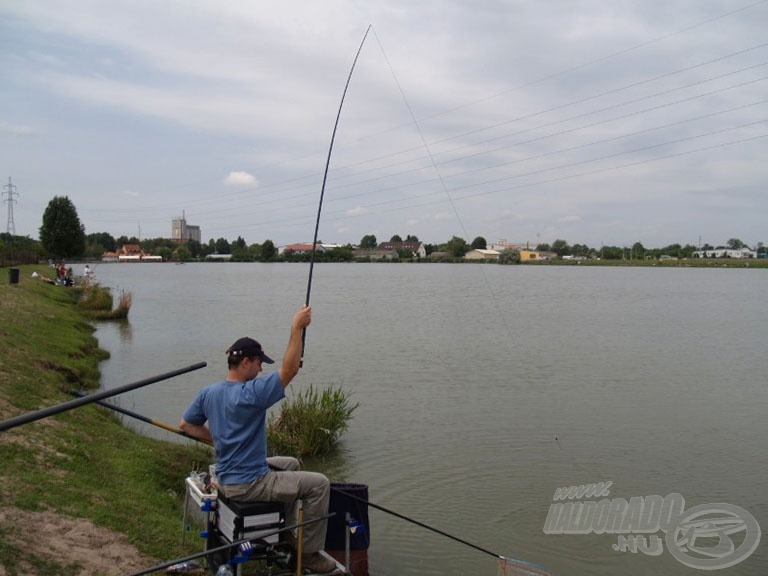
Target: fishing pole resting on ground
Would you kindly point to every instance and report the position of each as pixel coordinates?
(235, 544)
(76, 403)
(132, 414)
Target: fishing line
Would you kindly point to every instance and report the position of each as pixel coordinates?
(546, 181)
(322, 189)
(454, 159)
(549, 76)
(587, 64)
(568, 104)
(284, 183)
(488, 152)
(440, 178)
(507, 565)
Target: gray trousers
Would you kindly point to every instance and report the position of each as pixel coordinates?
(289, 486)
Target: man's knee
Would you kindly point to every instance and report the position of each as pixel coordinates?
(284, 463)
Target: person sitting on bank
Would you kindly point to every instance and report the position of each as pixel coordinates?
(235, 410)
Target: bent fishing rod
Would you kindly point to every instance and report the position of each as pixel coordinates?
(76, 403)
(322, 190)
(236, 543)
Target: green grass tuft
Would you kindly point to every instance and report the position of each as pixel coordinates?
(310, 423)
(96, 301)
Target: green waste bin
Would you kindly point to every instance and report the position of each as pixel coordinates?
(13, 275)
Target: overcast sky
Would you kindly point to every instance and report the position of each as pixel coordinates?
(591, 121)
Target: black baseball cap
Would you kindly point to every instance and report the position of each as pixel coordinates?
(248, 348)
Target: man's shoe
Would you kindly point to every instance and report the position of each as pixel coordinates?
(317, 563)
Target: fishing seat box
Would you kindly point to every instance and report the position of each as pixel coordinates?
(240, 520)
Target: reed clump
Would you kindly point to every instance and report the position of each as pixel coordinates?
(96, 301)
(311, 422)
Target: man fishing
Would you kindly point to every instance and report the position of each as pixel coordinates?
(235, 410)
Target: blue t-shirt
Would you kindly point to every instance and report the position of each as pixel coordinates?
(236, 413)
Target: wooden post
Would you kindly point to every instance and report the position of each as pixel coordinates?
(299, 540)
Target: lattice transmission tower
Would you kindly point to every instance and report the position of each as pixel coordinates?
(8, 190)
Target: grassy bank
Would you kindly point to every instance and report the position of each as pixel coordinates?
(82, 463)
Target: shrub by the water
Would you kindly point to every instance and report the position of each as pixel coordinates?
(310, 423)
(97, 301)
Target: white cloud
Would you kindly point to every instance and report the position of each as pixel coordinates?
(240, 179)
(16, 129)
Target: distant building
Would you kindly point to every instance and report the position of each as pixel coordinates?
(301, 248)
(374, 255)
(530, 256)
(130, 253)
(182, 232)
(482, 254)
(417, 249)
(502, 245)
(725, 253)
(306, 248)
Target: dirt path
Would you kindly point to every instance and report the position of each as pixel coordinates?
(99, 551)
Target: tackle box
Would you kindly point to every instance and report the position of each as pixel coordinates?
(239, 520)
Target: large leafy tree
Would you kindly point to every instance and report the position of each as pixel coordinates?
(479, 243)
(222, 246)
(62, 235)
(368, 241)
(457, 247)
(268, 251)
(560, 247)
(123, 240)
(239, 244)
(103, 239)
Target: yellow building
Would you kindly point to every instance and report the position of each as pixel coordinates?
(530, 255)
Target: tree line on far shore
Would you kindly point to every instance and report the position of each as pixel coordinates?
(62, 236)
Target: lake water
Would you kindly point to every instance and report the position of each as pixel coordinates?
(484, 388)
